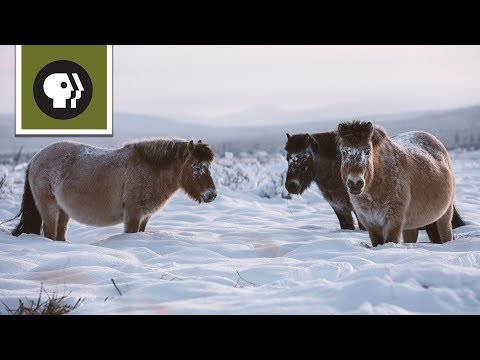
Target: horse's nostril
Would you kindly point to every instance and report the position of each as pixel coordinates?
(292, 185)
(355, 184)
(209, 197)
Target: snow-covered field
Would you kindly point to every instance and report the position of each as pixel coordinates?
(251, 251)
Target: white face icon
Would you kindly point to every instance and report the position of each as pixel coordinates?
(58, 87)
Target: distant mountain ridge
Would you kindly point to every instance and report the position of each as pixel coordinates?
(458, 127)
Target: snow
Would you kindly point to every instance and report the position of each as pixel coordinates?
(413, 142)
(250, 251)
(355, 155)
(199, 169)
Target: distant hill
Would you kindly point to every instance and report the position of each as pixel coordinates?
(126, 127)
(455, 128)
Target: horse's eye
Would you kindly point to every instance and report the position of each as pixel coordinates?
(367, 151)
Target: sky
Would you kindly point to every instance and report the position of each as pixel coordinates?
(209, 81)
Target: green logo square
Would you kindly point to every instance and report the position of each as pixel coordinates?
(63, 90)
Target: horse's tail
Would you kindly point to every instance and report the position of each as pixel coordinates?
(30, 220)
(457, 220)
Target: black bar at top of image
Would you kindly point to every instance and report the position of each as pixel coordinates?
(309, 27)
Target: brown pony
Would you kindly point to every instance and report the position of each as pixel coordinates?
(103, 187)
(316, 158)
(397, 185)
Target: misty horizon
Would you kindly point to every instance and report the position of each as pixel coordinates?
(248, 116)
(202, 83)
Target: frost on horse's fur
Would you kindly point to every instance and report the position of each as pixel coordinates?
(408, 183)
(315, 158)
(354, 155)
(296, 157)
(413, 144)
(103, 187)
(199, 169)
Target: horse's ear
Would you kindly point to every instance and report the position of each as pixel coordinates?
(313, 143)
(288, 136)
(378, 136)
(191, 145)
(370, 128)
(200, 141)
(340, 128)
(307, 139)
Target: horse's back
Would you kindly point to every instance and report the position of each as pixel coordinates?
(84, 180)
(58, 150)
(57, 159)
(47, 164)
(421, 144)
(427, 171)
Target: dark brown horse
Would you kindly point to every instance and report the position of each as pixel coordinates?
(316, 158)
(398, 185)
(102, 187)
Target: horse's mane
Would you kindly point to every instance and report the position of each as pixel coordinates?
(296, 143)
(163, 151)
(355, 132)
(327, 143)
(203, 152)
(320, 143)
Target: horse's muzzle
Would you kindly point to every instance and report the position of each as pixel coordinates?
(209, 196)
(355, 187)
(293, 187)
(355, 191)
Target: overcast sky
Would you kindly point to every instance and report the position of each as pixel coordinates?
(214, 80)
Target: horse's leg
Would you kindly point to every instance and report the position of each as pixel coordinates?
(432, 233)
(131, 221)
(444, 226)
(360, 225)
(376, 235)
(410, 236)
(345, 218)
(143, 223)
(62, 224)
(393, 231)
(48, 208)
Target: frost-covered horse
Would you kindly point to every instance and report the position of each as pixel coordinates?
(102, 187)
(316, 158)
(399, 184)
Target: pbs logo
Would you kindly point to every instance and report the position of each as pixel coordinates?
(62, 89)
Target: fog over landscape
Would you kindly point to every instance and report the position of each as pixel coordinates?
(245, 98)
(455, 128)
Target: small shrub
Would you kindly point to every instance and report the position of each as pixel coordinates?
(5, 183)
(52, 305)
(262, 172)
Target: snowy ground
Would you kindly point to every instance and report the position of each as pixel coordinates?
(247, 253)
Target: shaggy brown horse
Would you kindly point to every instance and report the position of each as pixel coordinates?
(397, 185)
(102, 187)
(316, 158)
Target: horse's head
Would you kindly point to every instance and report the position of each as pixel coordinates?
(300, 149)
(196, 179)
(357, 141)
